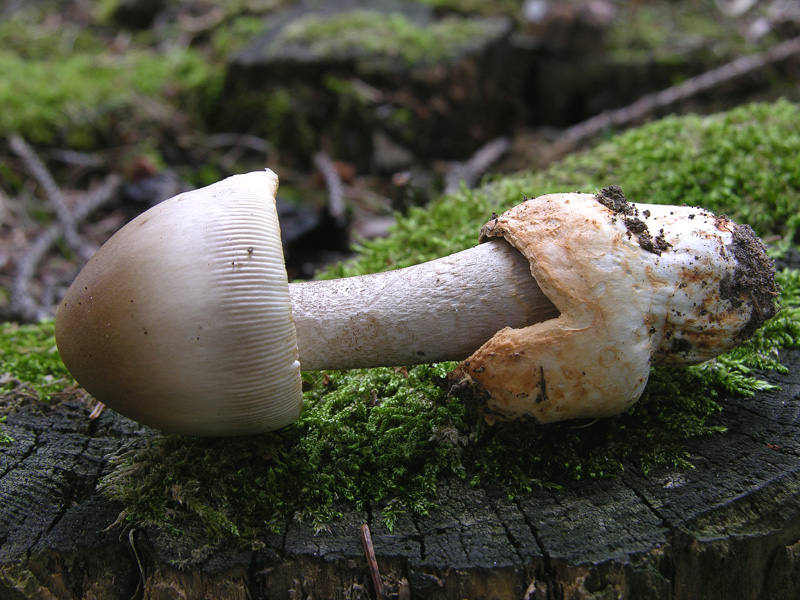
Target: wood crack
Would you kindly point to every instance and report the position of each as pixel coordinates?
(21, 460)
(420, 539)
(665, 522)
(72, 489)
(550, 575)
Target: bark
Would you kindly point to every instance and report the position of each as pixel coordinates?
(730, 528)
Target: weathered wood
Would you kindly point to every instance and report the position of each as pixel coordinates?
(730, 528)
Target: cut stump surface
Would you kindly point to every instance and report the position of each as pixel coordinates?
(729, 528)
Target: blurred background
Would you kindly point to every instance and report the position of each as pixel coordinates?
(363, 107)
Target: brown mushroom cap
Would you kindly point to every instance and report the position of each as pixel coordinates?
(182, 320)
(634, 284)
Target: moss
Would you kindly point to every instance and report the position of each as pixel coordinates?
(510, 8)
(236, 34)
(5, 439)
(742, 163)
(671, 31)
(30, 359)
(30, 367)
(363, 436)
(375, 37)
(389, 436)
(61, 83)
(44, 98)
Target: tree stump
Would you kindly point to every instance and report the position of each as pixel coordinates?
(359, 93)
(729, 528)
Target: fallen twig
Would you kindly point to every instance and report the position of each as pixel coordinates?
(735, 8)
(471, 171)
(238, 143)
(689, 88)
(199, 24)
(252, 142)
(97, 411)
(79, 159)
(372, 563)
(22, 304)
(336, 205)
(141, 583)
(39, 172)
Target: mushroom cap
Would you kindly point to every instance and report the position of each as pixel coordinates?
(182, 320)
(634, 284)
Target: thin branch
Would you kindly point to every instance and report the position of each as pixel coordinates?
(239, 139)
(141, 583)
(689, 88)
(735, 8)
(79, 159)
(202, 23)
(238, 144)
(97, 197)
(22, 302)
(336, 205)
(372, 563)
(471, 171)
(37, 169)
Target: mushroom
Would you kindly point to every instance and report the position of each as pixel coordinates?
(185, 321)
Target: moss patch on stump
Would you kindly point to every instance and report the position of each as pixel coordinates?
(384, 438)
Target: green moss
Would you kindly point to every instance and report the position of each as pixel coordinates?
(31, 360)
(235, 35)
(389, 436)
(59, 82)
(742, 163)
(510, 8)
(362, 437)
(375, 37)
(5, 439)
(673, 31)
(30, 367)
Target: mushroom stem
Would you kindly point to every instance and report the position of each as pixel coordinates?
(441, 310)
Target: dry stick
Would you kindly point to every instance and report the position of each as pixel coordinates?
(97, 411)
(239, 139)
(22, 303)
(141, 583)
(735, 8)
(79, 159)
(42, 175)
(474, 168)
(336, 206)
(238, 144)
(372, 563)
(202, 23)
(691, 87)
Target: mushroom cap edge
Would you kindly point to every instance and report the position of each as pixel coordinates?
(182, 320)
